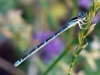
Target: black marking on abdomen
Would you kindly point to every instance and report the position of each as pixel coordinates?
(48, 39)
(32, 50)
(40, 44)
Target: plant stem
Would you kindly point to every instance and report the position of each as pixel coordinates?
(65, 51)
(59, 58)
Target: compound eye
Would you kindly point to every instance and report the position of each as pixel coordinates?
(81, 14)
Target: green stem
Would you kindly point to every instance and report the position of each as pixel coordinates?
(59, 58)
(81, 38)
(70, 31)
(65, 51)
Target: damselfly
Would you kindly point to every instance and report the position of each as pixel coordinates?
(72, 22)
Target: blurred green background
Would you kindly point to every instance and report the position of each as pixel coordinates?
(25, 23)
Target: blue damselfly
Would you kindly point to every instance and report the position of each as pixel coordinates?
(80, 20)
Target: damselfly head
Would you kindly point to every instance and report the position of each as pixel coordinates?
(81, 14)
(83, 17)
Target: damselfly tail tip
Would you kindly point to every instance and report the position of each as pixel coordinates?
(18, 62)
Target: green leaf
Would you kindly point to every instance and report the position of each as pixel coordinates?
(97, 4)
(90, 29)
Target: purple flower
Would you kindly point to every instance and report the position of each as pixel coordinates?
(85, 3)
(53, 48)
(96, 18)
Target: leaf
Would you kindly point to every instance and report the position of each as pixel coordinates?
(90, 29)
(81, 48)
(96, 4)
